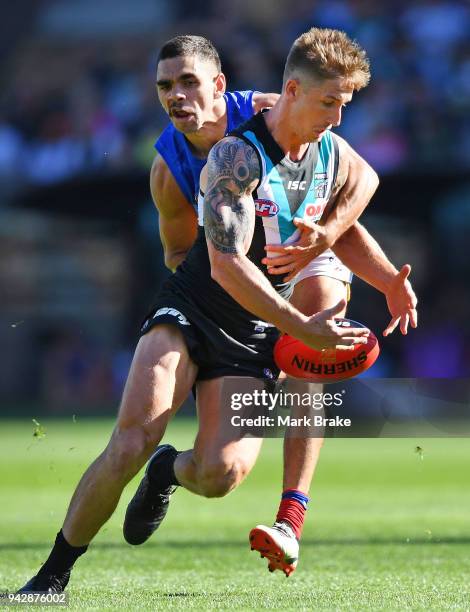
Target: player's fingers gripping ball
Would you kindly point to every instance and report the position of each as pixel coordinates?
(328, 365)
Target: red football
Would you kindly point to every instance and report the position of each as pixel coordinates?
(330, 365)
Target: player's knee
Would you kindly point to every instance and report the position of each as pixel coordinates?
(128, 450)
(217, 480)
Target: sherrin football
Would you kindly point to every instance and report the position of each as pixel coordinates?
(330, 365)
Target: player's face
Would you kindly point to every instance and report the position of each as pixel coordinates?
(188, 88)
(317, 107)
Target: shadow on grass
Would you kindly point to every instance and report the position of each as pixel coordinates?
(216, 544)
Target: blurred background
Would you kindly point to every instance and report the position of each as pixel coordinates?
(81, 259)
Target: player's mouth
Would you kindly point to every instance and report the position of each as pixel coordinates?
(179, 113)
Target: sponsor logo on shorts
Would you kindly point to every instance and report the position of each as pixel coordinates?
(261, 326)
(266, 208)
(182, 320)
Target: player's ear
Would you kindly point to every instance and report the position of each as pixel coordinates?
(292, 88)
(220, 85)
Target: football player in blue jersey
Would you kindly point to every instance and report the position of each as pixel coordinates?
(191, 89)
(207, 319)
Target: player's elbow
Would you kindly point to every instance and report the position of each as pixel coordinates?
(370, 175)
(170, 263)
(222, 268)
(222, 278)
(219, 269)
(174, 258)
(374, 180)
(217, 275)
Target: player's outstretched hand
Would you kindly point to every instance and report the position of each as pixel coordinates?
(401, 302)
(323, 333)
(291, 259)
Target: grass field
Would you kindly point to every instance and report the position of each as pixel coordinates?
(387, 529)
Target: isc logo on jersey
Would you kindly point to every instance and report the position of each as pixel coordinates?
(296, 185)
(266, 208)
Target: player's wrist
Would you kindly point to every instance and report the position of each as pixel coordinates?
(329, 235)
(297, 326)
(386, 282)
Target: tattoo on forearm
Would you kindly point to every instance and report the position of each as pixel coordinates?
(233, 173)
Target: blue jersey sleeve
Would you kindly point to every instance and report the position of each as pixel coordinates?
(239, 107)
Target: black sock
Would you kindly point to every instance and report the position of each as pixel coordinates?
(162, 471)
(62, 556)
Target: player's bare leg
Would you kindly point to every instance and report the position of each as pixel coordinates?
(220, 459)
(159, 381)
(160, 378)
(301, 455)
(301, 452)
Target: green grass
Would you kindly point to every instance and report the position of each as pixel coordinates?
(387, 529)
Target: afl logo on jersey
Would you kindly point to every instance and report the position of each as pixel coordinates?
(266, 208)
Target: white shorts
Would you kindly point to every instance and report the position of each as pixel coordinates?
(326, 264)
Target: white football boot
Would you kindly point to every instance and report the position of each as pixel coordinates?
(278, 544)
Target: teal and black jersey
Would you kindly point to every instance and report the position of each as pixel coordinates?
(289, 189)
(286, 190)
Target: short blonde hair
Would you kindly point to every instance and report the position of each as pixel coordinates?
(322, 53)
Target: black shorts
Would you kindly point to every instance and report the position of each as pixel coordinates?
(215, 352)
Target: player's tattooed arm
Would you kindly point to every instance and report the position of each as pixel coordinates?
(233, 174)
